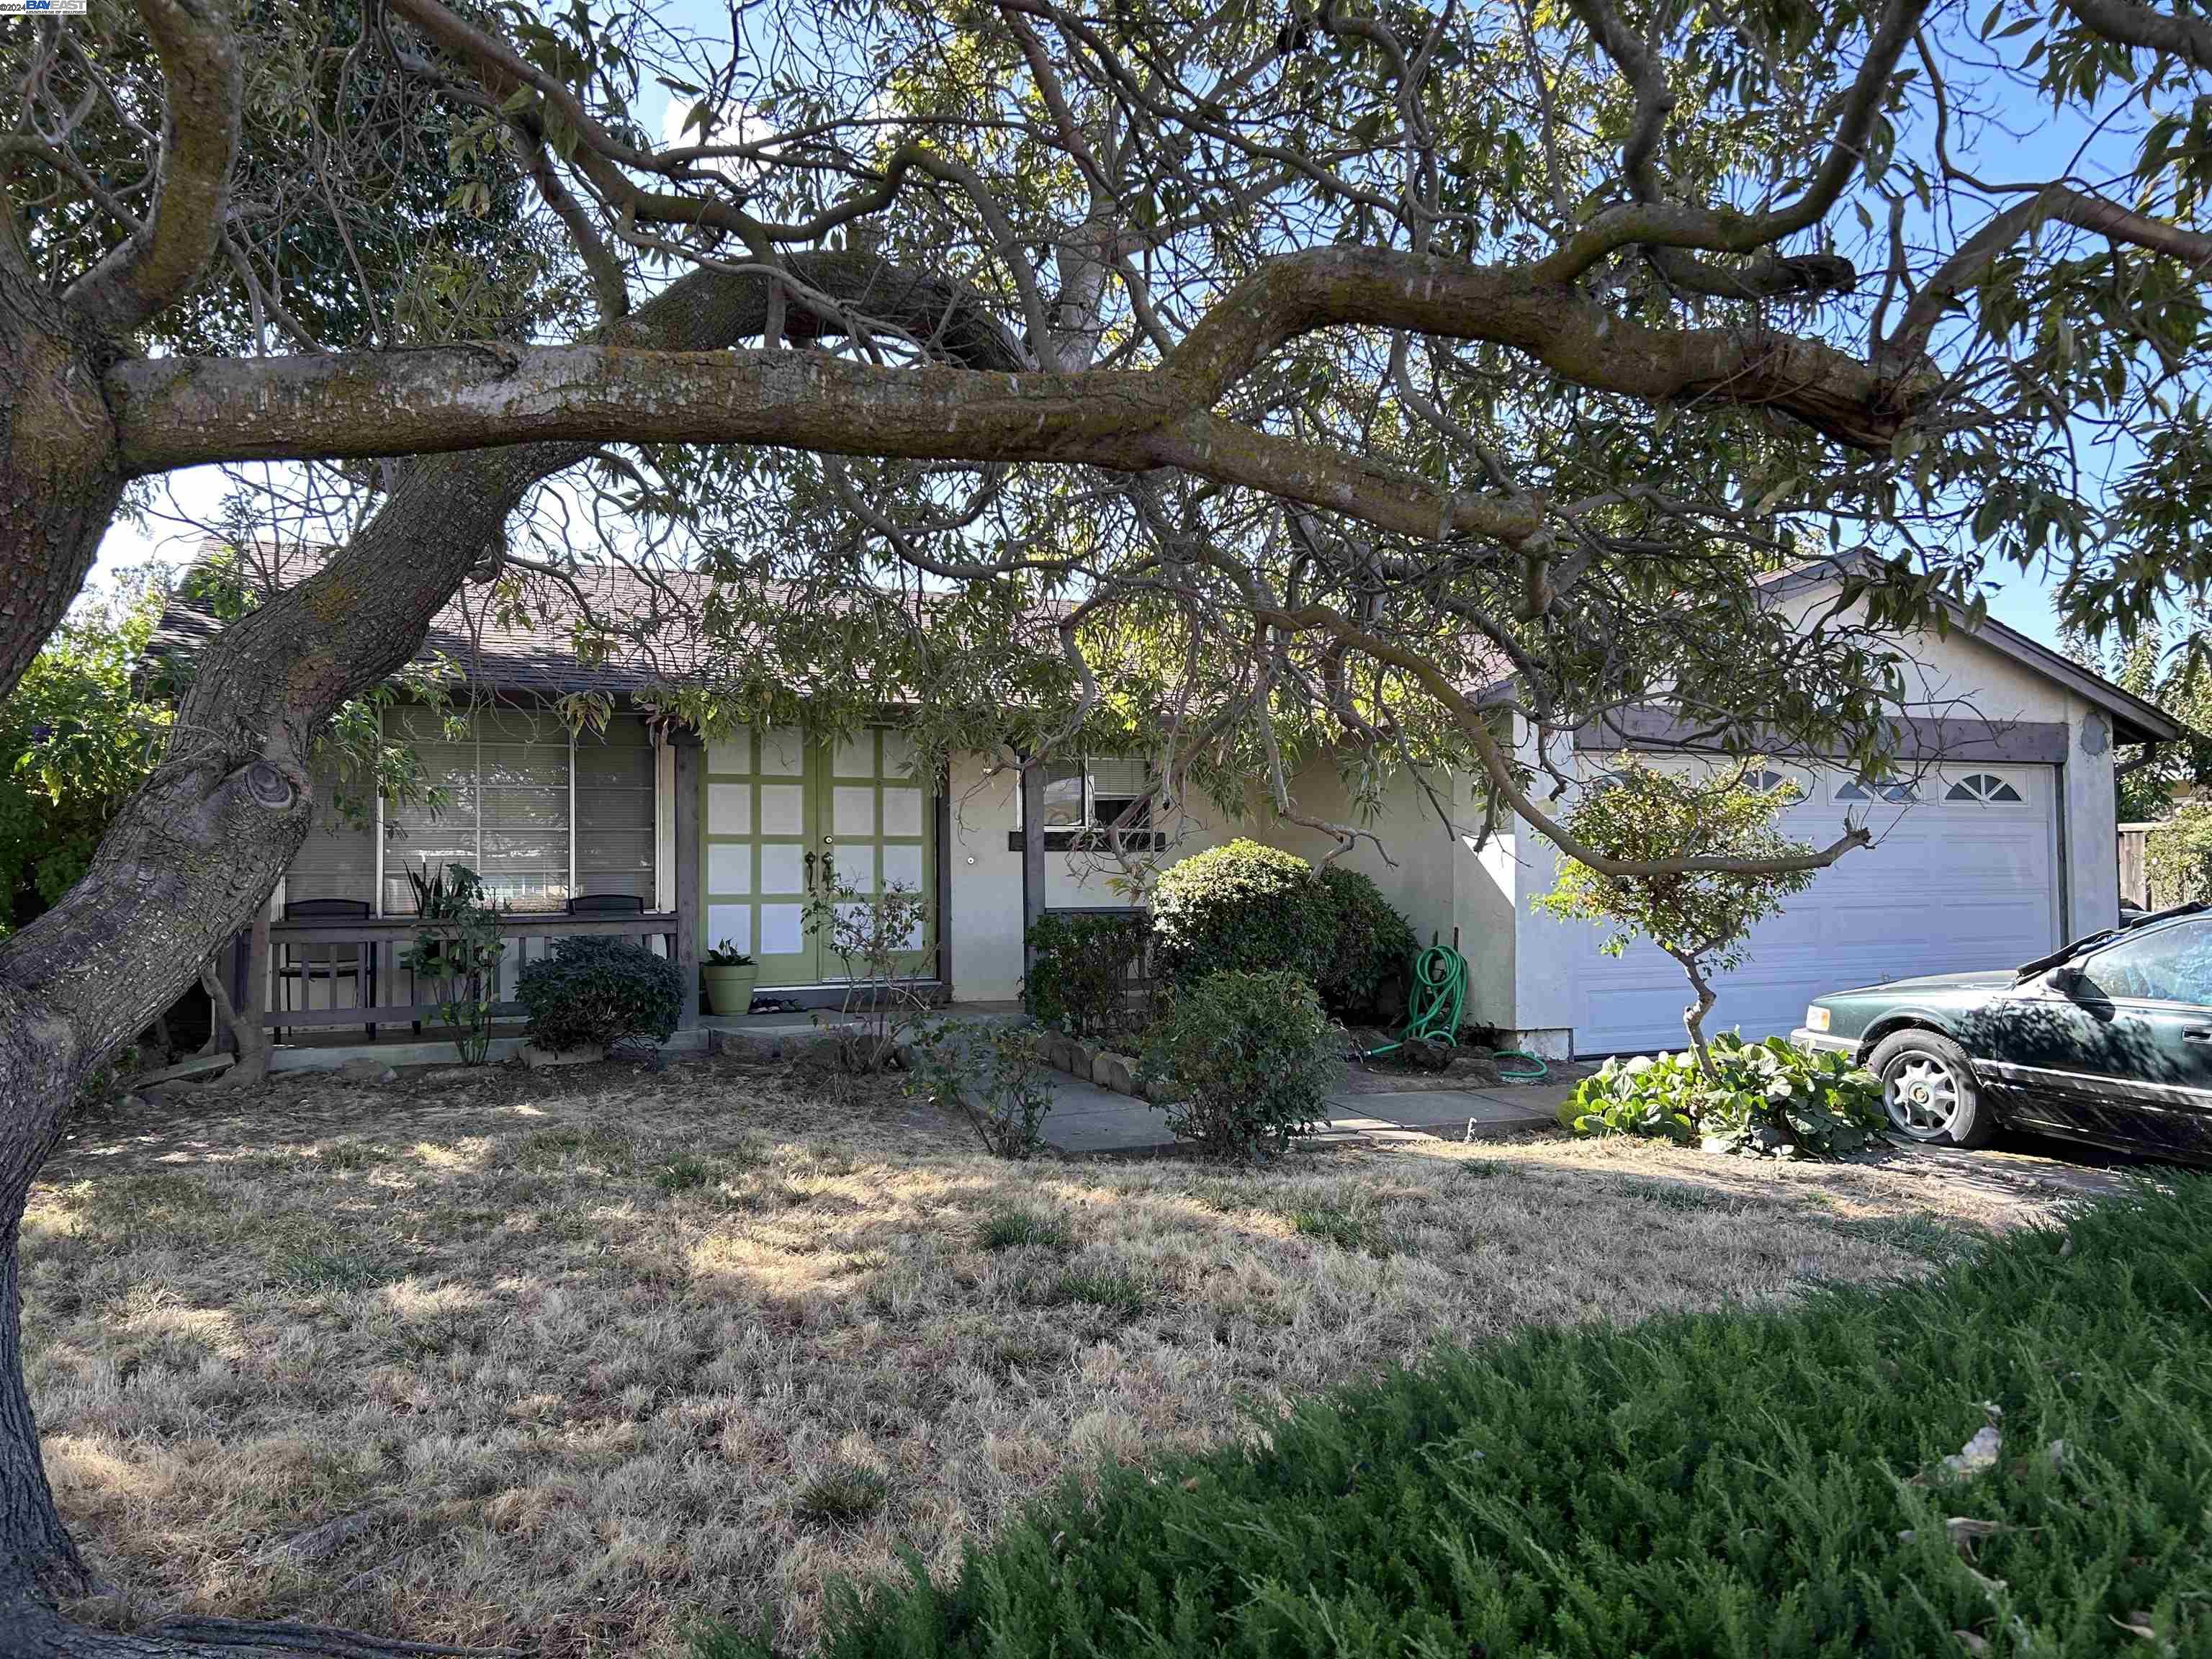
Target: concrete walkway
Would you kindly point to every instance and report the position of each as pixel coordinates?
(1086, 1119)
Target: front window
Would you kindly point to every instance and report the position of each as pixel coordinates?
(539, 814)
(1088, 797)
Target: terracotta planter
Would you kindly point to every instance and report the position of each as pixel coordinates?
(730, 990)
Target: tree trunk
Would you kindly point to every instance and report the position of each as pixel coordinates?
(1693, 1017)
(61, 474)
(189, 859)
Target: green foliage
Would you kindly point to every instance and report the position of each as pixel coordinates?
(1371, 944)
(76, 739)
(998, 1083)
(843, 1495)
(1240, 908)
(1078, 978)
(457, 952)
(1699, 918)
(1652, 1099)
(1015, 1229)
(592, 992)
(1742, 1481)
(2178, 856)
(726, 955)
(1248, 1058)
(1768, 1096)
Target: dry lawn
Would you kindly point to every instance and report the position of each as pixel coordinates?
(581, 1361)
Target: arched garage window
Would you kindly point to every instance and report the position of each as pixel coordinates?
(1860, 789)
(1982, 786)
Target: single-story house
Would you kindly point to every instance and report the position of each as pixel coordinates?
(2000, 845)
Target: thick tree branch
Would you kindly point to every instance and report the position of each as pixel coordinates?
(204, 80)
(2188, 39)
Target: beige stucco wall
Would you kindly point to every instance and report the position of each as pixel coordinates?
(1521, 968)
(1414, 865)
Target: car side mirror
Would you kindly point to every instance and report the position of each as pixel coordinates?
(2065, 978)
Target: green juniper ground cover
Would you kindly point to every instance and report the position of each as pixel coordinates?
(1744, 1483)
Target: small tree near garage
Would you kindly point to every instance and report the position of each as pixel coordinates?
(1701, 917)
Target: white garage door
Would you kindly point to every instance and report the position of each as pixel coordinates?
(1962, 876)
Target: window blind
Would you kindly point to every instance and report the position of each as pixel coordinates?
(338, 859)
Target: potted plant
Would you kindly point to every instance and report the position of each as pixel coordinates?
(729, 975)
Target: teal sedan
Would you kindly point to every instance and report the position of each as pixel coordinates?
(2108, 1040)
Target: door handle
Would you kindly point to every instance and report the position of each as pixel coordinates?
(810, 873)
(2196, 1034)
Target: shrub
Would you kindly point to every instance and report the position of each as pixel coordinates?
(1240, 908)
(1248, 1058)
(1371, 943)
(1078, 977)
(1762, 1097)
(998, 1084)
(592, 992)
(1733, 1482)
(1699, 918)
(2178, 856)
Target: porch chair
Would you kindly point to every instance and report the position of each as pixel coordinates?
(358, 959)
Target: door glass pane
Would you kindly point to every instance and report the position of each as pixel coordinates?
(2173, 964)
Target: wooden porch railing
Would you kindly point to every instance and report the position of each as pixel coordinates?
(326, 972)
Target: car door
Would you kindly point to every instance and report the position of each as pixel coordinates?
(2119, 1048)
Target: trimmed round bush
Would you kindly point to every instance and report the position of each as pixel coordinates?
(1240, 908)
(1247, 1058)
(1373, 944)
(593, 992)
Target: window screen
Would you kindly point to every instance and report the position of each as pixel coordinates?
(418, 837)
(614, 809)
(1116, 783)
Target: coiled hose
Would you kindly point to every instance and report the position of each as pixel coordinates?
(1432, 1010)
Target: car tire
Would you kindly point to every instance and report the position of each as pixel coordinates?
(1928, 1088)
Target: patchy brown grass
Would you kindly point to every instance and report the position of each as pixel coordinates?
(582, 1361)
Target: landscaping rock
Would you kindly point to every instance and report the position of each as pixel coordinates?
(367, 1069)
(538, 1060)
(1114, 1071)
(1082, 1060)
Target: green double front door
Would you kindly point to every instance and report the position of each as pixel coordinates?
(788, 816)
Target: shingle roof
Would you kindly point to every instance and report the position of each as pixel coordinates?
(502, 645)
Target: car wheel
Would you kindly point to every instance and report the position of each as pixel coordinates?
(1928, 1088)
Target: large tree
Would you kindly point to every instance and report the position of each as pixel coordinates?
(1365, 375)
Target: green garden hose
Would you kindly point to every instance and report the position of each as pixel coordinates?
(1433, 1009)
